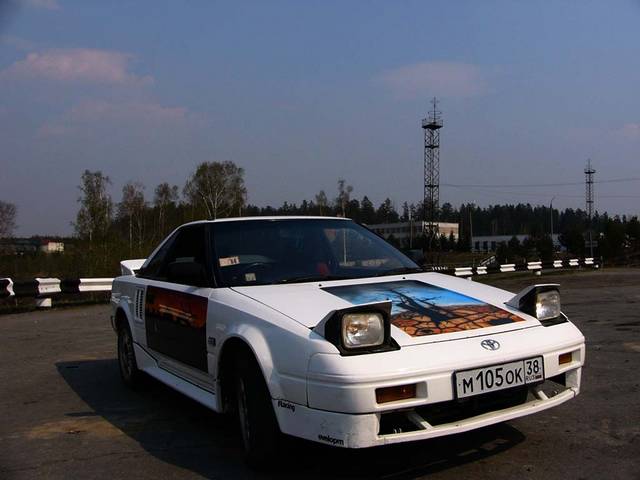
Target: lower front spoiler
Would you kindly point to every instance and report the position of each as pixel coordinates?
(362, 431)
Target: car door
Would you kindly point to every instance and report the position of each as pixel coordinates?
(176, 303)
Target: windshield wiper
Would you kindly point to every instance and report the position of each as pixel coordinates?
(313, 278)
(400, 270)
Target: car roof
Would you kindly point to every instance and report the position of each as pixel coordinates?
(272, 218)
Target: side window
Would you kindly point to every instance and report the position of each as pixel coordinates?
(152, 270)
(186, 261)
(186, 246)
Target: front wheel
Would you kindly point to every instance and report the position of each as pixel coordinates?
(258, 425)
(131, 375)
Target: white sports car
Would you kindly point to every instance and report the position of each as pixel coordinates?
(319, 329)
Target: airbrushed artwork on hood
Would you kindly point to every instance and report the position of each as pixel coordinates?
(423, 309)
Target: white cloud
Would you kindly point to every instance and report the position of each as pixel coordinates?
(44, 4)
(145, 112)
(630, 131)
(92, 115)
(17, 42)
(441, 79)
(76, 65)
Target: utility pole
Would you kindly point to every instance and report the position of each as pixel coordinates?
(470, 227)
(551, 210)
(410, 229)
(589, 172)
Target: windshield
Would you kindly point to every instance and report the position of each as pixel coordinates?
(261, 252)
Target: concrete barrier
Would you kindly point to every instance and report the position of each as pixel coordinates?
(48, 286)
(463, 271)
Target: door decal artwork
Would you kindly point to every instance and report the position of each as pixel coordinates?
(423, 309)
(176, 325)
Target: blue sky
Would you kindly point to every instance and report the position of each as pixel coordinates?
(303, 93)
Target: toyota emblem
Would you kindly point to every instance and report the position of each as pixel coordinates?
(490, 344)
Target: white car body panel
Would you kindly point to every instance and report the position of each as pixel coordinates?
(309, 304)
(130, 267)
(321, 395)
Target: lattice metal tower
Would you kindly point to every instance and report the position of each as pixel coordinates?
(431, 126)
(589, 172)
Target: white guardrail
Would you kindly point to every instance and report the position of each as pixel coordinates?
(44, 289)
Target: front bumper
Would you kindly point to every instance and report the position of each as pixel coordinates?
(366, 430)
(348, 384)
(342, 409)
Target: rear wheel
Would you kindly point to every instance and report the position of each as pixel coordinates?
(258, 425)
(131, 375)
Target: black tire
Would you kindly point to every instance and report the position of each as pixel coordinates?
(129, 372)
(258, 425)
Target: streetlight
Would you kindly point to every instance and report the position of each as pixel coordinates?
(471, 232)
(551, 209)
(410, 229)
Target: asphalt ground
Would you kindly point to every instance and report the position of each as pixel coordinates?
(64, 412)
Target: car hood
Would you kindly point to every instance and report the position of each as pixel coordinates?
(426, 307)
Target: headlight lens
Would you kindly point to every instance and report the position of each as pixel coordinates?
(362, 330)
(548, 305)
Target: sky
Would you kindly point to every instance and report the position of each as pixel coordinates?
(301, 94)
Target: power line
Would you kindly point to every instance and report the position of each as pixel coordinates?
(532, 185)
(504, 193)
(618, 196)
(521, 194)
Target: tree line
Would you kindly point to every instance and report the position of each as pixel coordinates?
(107, 231)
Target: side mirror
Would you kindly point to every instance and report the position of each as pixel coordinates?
(187, 273)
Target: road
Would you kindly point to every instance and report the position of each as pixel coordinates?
(65, 414)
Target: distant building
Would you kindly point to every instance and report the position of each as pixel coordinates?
(490, 243)
(18, 246)
(29, 246)
(50, 246)
(402, 231)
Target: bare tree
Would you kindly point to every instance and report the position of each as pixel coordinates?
(238, 195)
(7, 219)
(218, 187)
(344, 196)
(387, 213)
(133, 207)
(93, 220)
(165, 197)
(96, 208)
(321, 201)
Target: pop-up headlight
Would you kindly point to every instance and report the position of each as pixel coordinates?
(362, 329)
(548, 305)
(541, 302)
(359, 330)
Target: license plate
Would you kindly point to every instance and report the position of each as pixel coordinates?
(499, 377)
